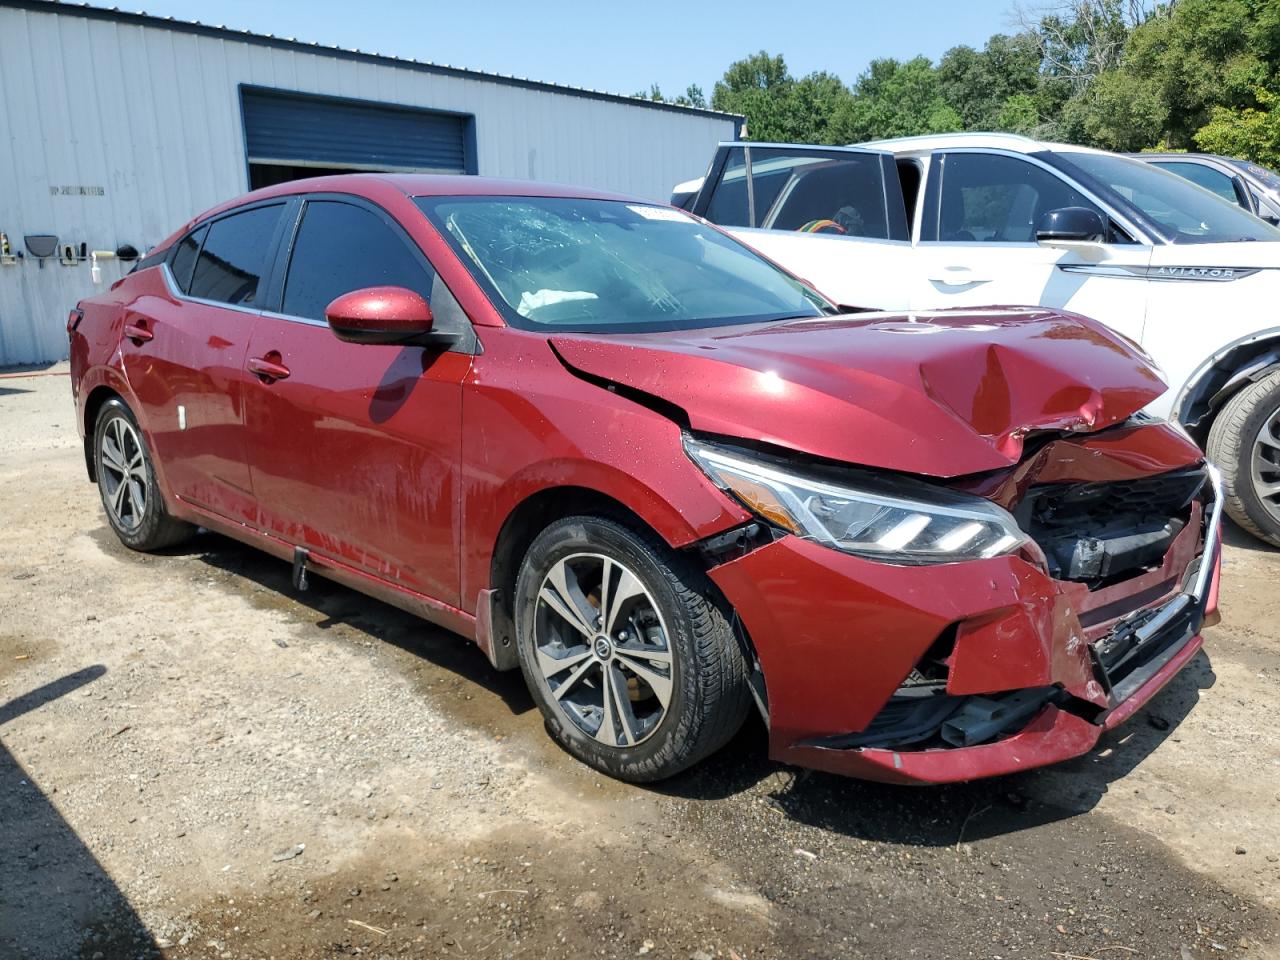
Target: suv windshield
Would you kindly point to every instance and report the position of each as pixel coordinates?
(604, 265)
(1180, 210)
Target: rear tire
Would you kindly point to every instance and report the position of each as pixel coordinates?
(603, 608)
(127, 482)
(1244, 443)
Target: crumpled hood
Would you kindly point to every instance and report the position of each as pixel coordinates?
(942, 394)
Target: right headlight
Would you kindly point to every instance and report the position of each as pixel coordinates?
(893, 521)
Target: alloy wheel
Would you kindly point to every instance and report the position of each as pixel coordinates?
(124, 474)
(1266, 464)
(603, 649)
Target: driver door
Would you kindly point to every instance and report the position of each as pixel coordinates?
(354, 449)
(976, 245)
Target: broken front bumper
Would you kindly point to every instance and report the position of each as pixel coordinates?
(1039, 661)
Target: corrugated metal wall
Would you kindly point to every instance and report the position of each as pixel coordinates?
(114, 132)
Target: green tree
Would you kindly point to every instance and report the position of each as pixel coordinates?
(980, 83)
(692, 96)
(777, 106)
(1252, 133)
(758, 87)
(895, 99)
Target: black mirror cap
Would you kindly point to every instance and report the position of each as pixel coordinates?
(1071, 223)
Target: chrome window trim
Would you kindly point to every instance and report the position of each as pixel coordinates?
(177, 294)
(1140, 236)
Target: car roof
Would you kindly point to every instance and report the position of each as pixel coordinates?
(1179, 156)
(437, 185)
(372, 186)
(995, 141)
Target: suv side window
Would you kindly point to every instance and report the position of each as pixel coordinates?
(234, 256)
(1204, 176)
(184, 258)
(992, 198)
(829, 191)
(342, 247)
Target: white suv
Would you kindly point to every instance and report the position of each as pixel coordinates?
(983, 219)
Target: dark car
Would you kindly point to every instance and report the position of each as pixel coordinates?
(624, 453)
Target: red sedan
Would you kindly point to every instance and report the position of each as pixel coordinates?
(664, 478)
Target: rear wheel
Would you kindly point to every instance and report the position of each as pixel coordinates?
(634, 668)
(127, 482)
(1244, 442)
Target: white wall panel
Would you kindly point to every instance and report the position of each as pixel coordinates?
(151, 114)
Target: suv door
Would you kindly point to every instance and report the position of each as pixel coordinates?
(183, 355)
(833, 215)
(354, 451)
(977, 243)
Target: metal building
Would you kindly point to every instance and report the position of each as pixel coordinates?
(115, 128)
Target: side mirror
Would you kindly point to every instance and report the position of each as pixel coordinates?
(383, 315)
(1071, 225)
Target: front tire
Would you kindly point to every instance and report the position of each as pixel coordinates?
(635, 668)
(1244, 442)
(127, 481)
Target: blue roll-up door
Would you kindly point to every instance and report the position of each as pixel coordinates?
(292, 129)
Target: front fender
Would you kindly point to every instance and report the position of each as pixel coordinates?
(530, 427)
(1226, 369)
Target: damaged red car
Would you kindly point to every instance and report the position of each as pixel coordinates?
(671, 483)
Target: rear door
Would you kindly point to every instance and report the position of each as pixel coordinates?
(184, 352)
(834, 216)
(976, 243)
(354, 453)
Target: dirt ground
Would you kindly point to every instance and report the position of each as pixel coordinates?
(196, 761)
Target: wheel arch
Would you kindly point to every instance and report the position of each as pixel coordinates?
(93, 404)
(523, 523)
(1222, 376)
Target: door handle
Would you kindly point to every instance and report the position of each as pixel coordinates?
(267, 369)
(958, 277)
(136, 330)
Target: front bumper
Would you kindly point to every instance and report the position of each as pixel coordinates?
(837, 635)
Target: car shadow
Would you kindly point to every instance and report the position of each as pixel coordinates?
(945, 815)
(338, 605)
(930, 816)
(56, 900)
(1235, 536)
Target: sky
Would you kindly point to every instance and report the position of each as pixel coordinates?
(618, 47)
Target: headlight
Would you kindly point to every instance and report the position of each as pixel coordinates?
(899, 521)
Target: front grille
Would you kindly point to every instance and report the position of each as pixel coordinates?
(1102, 533)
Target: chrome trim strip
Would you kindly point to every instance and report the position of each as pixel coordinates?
(177, 294)
(1213, 530)
(1166, 274)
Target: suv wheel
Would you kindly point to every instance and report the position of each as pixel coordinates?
(636, 671)
(1245, 444)
(127, 482)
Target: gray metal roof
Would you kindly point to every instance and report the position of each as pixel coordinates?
(141, 18)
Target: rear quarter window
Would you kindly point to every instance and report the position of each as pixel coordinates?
(234, 256)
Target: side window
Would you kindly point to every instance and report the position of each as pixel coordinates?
(991, 198)
(341, 247)
(184, 258)
(1207, 177)
(234, 256)
(827, 191)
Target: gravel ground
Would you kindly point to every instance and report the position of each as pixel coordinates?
(196, 761)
